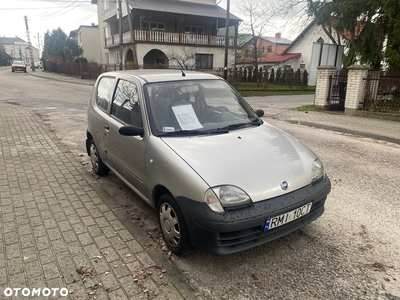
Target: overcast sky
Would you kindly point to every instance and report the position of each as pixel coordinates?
(44, 15)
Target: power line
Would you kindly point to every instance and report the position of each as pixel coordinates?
(53, 7)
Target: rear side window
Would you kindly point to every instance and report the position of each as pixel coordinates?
(104, 92)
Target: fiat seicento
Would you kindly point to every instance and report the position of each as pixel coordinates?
(219, 177)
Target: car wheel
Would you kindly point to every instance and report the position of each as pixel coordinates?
(173, 225)
(12, 71)
(97, 164)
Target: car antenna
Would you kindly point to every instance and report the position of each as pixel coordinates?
(183, 73)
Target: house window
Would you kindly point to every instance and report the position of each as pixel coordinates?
(157, 26)
(269, 49)
(105, 32)
(105, 5)
(204, 61)
(154, 26)
(106, 58)
(194, 29)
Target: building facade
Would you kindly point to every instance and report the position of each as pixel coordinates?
(165, 33)
(88, 38)
(266, 47)
(18, 49)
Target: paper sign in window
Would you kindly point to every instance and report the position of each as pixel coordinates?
(186, 117)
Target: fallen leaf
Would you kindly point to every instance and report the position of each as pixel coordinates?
(128, 255)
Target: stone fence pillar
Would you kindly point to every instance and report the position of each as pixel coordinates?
(322, 86)
(355, 88)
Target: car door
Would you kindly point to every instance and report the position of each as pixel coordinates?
(98, 113)
(127, 153)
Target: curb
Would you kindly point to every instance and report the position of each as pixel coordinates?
(344, 130)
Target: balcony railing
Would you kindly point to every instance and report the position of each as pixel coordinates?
(154, 36)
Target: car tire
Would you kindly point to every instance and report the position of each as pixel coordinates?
(98, 166)
(172, 225)
(12, 70)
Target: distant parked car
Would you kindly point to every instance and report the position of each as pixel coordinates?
(18, 65)
(188, 144)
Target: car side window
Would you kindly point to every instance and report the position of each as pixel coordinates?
(125, 106)
(104, 92)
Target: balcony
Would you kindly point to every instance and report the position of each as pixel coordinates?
(153, 36)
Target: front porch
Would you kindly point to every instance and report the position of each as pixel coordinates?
(156, 36)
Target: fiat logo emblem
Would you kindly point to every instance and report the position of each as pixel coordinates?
(284, 185)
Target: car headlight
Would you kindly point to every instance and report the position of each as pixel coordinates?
(225, 196)
(317, 170)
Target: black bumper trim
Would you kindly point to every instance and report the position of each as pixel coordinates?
(242, 229)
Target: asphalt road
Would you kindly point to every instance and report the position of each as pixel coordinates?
(351, 252)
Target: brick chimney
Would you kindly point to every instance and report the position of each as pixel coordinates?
(278, 35)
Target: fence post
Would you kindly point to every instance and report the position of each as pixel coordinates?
(322, 88)
(355, 88)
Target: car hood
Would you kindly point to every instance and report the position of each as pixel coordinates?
(255, 159)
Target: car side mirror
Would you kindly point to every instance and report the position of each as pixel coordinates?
(129, 130)
(259, 113)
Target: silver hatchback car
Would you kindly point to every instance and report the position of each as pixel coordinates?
(188, 144)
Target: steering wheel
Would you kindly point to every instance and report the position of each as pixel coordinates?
(220, 109)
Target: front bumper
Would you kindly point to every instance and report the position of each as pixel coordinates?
(243, 228)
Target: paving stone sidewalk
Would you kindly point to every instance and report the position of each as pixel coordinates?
(57, 232)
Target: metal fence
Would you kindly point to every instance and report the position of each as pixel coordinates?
(382, 92)
(243, 79)
(337, 90)
(246, 79)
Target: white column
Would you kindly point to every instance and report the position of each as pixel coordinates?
(356, 82)
(322, 86)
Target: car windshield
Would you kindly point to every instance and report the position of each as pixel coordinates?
(196, 107)
(18, 62)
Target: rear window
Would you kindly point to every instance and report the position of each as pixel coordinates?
(104, 92)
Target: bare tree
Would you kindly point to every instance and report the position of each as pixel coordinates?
(186, 58)
(257, 15)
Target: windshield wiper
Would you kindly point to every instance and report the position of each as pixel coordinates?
(239, 125)
(192, 132)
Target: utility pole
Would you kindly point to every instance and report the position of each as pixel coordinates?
(38, 40)
(121, 47)
(135, 63)
(30, 45)
(226, 41)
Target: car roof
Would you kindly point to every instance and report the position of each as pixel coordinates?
(161, 75)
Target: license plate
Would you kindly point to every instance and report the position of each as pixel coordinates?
(290, 216)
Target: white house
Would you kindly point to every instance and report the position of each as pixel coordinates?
(165, 33)
(313, 48)
(88, 38)
(310, 49)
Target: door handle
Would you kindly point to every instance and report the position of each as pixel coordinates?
(107, 128)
